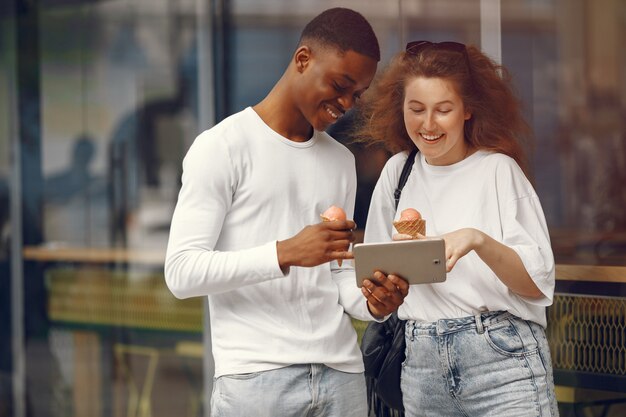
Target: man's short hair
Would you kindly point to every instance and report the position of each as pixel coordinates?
(344, 29)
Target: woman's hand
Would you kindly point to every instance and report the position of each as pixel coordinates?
(459, 243)
(402, 236)
(501, 259)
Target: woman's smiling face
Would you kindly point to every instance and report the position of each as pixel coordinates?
(434, 116)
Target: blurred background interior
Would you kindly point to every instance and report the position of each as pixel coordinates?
(99, 101)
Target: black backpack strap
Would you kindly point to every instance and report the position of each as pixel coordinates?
(390, 333)
(406, 170)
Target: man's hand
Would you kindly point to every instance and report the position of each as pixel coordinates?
(384, 294)
(317, 244)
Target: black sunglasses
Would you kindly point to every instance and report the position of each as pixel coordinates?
(415, 47)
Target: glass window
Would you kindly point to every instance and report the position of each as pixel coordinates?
(105, 98)
(7, 136)
(569, 68)
(567, 61)
(117, 89)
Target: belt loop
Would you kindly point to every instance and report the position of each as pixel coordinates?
(479, 324)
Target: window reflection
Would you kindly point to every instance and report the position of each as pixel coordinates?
(569, 79)
(6, 358)
(118, 93)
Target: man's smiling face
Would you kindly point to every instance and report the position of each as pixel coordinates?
(330, 83)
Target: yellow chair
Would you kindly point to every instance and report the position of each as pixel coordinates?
(139, 394)
(195, 351)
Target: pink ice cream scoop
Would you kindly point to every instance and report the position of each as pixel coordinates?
(334, 213)
(411, 223)
(410, 214)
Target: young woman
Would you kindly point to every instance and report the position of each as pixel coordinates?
(476, 343)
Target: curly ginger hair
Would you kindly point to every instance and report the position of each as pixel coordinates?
(484, 86)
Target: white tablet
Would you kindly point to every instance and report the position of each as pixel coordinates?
(417, 261)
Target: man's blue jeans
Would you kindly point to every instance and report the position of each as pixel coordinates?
(294, 391)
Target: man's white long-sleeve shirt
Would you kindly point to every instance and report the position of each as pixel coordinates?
(245, 187)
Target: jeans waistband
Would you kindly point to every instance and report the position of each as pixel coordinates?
(479, 322)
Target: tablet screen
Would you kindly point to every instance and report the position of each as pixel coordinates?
(417, 261)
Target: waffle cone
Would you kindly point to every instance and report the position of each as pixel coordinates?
(326, 219)
(411, 227)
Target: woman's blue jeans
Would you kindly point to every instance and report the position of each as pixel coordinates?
(492, 364)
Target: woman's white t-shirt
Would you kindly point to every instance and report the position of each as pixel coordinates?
(489, 192)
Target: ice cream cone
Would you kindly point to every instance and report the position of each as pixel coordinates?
(336, 211)
(411, 227)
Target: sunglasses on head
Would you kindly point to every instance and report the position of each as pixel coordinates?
(416, 47)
